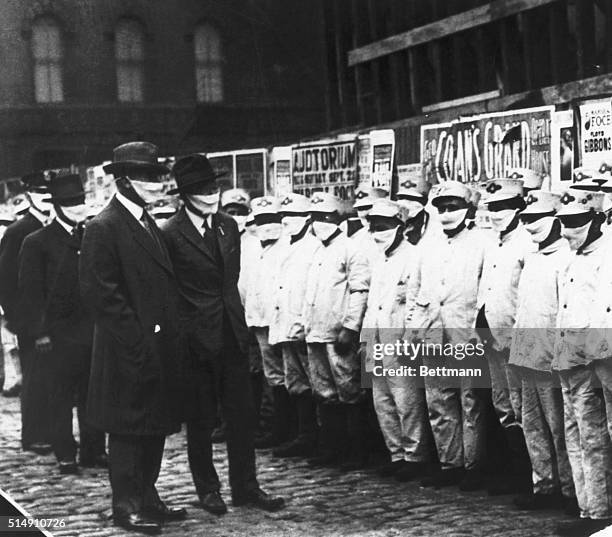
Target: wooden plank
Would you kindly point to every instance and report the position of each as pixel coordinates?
(528, 49)
(397, 62)
(358, 69)
(340, 65)
(436, 54)
(608, 11)
(472, 18)
(585, 44)
(460, 102)
(557, 31)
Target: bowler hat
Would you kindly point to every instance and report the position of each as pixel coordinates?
(193, 170)
(36, 181)
(136, 155)
(66, 189)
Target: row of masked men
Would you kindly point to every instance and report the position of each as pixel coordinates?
(534, 293)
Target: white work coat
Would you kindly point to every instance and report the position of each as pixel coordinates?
(579, 287)
(504, 261)
(386, 307)
(336, 290)
(443, 290)
(250, 250)
(261, 287)
(291, 287)
(533, 336)
(365, 243)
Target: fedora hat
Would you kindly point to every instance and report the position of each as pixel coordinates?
(36, 182)
(66, 189)
(193, 170)
(136, 155)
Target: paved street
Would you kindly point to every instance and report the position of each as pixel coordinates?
(320, 502)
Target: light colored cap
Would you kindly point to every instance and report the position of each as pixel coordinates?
(265, 205)
(388, 209)
(413, 188)
(452, 189)
(588, 179)
(365, 197)
(324, 202)
(580, 202)
(542, 201)
(295, 203)
(531, 179)
(237, 196)
(504, 189)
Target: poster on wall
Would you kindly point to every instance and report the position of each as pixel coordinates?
(364, 161)
(280, 170)
(325, 165)
(382, 148)
(596, 133)
(562, 147)
(479, 148)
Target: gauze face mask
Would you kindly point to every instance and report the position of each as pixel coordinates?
(452, 219)
(75, 213)
(362, 214)
(323, 230)
(205, 203)
(36, 200)
(500, 220)
(576, 236)
(240, 219)
(412, 206)
(385, 238)
(292, 225)
(149, 191)
(269, 232)
(540, 229)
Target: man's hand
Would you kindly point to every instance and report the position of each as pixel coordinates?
(346, 341)
(297, 332)
(43, 345)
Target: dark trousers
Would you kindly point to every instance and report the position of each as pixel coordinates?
(223, 379)
(134, 463)
(69, 380)
(36, 416)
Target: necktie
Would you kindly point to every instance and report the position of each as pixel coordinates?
(148, 225)
(205, 225)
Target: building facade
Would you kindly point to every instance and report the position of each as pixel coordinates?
(78, 77)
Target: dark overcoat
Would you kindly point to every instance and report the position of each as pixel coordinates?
(208, 290)
(127, 280)
(49, 292)
(10, 247)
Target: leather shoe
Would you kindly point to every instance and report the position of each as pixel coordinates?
(258, 498)
(213, 503)
(137, 522)
(97, 461)
(68, 468)
(163, 513)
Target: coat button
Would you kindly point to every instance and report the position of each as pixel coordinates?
(562, 333)
(571, 279)
(441, 302)
(564, 306)
(608, 309)
(379, 308)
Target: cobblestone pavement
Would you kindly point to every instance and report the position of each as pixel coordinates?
(321, 502)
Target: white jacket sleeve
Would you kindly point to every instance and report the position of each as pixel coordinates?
(358, 276)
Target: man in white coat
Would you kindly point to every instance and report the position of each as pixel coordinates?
(497, 300)
(443, 311)
(259, 307)
(335, 300)
(532, 351)
(586, 435)
(399, 401)
(412, 195)
(287, 326)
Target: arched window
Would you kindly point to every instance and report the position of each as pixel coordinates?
(129, 54)
(47, 53)
(208, 67)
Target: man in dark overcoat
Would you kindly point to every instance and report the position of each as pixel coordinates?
(127, 280)
(35, 422)
(204, 246)
(55, 318)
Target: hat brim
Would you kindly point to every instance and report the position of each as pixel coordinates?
(118, 168)
(571, 211)
(363, 203)
(411, 194)
(445, 197)
(588, 186)
(534, 208)
(210, 179)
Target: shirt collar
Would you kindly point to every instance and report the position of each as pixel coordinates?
(135, 210)
(595, 245)
(41, 217)
(198, 221)
(68, 228)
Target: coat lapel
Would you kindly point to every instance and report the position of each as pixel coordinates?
(189, 231)
(63, 236)
(223, 235)
(142, 237)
